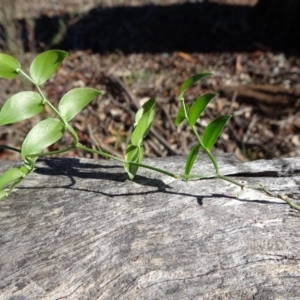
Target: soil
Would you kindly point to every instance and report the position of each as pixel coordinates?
(132, 52)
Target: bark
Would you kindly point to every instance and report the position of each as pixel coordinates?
(78, 229)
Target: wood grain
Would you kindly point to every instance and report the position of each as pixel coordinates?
(78, 229)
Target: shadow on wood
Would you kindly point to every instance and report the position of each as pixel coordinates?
(78, 229)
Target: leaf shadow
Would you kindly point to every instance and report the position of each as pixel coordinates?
(75, 168)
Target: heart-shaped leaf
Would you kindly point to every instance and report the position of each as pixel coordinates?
(9, 177)
(191, 81)
(144, 122)
(191, 159)
(198, 107)
(181, 115)
(21, 106)
(45, 65)
(133, 154)
(75, 100)
(42, 135)
(8, 66)
(213, 130)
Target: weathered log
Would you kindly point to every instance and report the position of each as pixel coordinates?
(78, 229)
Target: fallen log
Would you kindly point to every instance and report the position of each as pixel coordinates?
(79, 229)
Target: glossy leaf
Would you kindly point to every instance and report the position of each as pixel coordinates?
(138, 116)
(144, 123)
(45, 65)
(9, 177)
(213, 131)
(133, 154)
(198, 107)
(190, 82)
(21, 106)
(191, 159)
(42, 135)
(8, 66)
(180, 115)
(75, 100)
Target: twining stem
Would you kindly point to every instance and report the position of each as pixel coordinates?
(231, 180)
(212, 158)
(285, 198)
(104, 154)
(67, 149)
(209, 154)
(10, 148)
(45, 101)
(259, 187)
(30, 159)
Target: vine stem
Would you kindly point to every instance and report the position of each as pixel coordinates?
(106, 155)
(259, 187)
(46, 101)
(30, 159)
(10, 148)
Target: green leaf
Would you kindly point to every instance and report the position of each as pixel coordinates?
(198, 107)
(191, 81)
(42, 135)
(8, 66)
(213, 130)
(144, 122)
(133, 154)
(9, 177)
(139, 131)
(3, 194)
(45, 64)
(191, 159)
(138, 116)
(75, 100)
(180, 115)
(21, 106)
(25, 170)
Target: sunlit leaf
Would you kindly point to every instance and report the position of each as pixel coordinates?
(144, 122)
(139, 131)
(9, 177)
(180, 115)
(21, 106)
(8, 66)
(138, 116)
(75, 100)
(191, 81)
(198, 107)
(133, 154)
(42, 135)
(213, 130)
(191, 159)
(45, 65)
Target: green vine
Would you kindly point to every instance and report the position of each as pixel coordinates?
(27, 104)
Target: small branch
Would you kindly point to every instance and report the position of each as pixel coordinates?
(10, 148)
